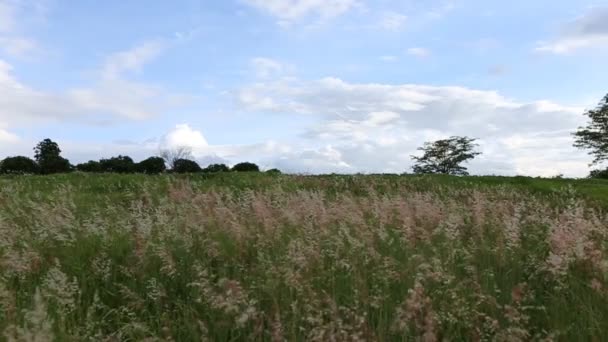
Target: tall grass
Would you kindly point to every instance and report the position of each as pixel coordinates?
(282, 258)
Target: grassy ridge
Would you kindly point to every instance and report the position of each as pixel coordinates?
(264, 257)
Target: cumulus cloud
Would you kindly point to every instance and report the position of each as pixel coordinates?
(376, 127)
(184, 136)
(289, 157)
(587, 31)
(288, 11)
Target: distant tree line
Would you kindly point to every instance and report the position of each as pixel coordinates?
(48, 160)
(444, 156)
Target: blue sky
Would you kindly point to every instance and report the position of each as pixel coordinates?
(304, 85)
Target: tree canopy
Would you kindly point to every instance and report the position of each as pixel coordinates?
(445, 156)
(246, 167)
(594, 136)
(18, 165)
(214, 168)
(186, 166)
(48, 156)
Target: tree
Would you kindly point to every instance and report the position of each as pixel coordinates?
(48, 157)
(594, 136)
(120, 164)
(599, 174)
(170, 156)
(215, 168)
(152, 165)
(445, 156)
(246, 167)
(90, 166)
(273, 172)
(18, 165)
(186, 166)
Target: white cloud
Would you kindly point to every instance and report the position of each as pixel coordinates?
(585, 32)
(288, 11)
(376, 127)
(419, 52)
(12, 15)
(266, 67)
(133, 59)
(184, 136)
(110, 97)
(392, 21)
(8, 137)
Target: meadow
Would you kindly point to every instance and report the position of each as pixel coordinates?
(258, 257)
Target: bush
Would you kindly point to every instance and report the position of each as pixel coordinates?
(214, 168)
(274, 172)
(90, 166)
(601, 174)
(55, 165)
(152, 165)
(246, 167)
(186, 166)
(18, 165)
(120, 164)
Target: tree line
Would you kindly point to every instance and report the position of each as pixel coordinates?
(48, 160)
(444, 156)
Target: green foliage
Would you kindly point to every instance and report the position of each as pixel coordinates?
(152, 165)
(48, 156)
(274, 171)
(46, 149)
(120, 164)
(215, 168)
(445, 156)
(594, 136)
(186, 166)
(246, 167)
(599, 174)
(18, 165)
(90, 166)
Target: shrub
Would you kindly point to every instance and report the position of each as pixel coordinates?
(214, 168)
(120, 164)
(152, 165)
(90, 166)
(18, 165)
(246, 167)
(55, 165)
(186, 166)
(274, 171)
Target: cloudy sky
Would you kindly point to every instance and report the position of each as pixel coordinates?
(304, 85)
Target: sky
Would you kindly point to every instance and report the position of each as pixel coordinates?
(306, 86)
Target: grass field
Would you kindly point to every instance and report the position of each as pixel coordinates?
(238, 257)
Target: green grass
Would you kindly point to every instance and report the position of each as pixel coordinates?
(229, 257)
